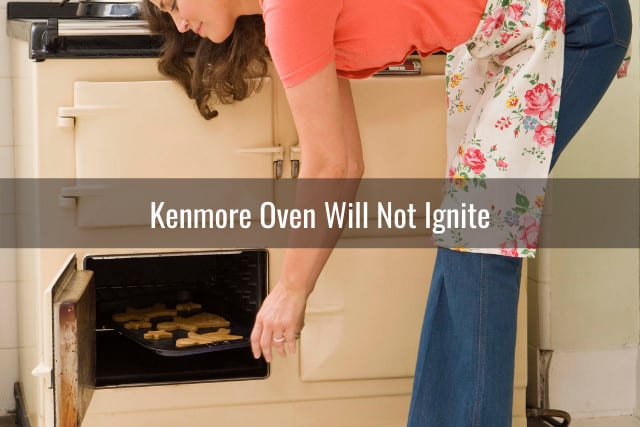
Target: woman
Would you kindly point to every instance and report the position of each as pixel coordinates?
(511, 113)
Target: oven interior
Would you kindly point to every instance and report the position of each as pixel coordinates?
(230, 284)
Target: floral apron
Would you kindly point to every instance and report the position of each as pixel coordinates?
(503, 97)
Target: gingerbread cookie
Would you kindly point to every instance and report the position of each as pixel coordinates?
(208, 338)
(136, 324)
(157, 335)
(188, 307)
(193, 323)
(160, 313)
(131, 313)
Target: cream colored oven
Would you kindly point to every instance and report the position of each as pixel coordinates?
(117, 117)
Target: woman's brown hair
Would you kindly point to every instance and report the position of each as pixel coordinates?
(230, 71)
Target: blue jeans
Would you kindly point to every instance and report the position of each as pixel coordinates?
(464, 373)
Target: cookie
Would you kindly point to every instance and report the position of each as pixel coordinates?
(137, 324)
(142, 314)
(188, 307)
(204, 339)
(157, 335)
(193, 323)
(160, 313)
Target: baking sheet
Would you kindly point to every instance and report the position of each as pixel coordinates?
(167, 346)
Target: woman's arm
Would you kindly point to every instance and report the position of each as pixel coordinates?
(325, 119)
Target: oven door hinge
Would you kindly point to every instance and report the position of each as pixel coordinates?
(67, 115)
(295, 153)
(276, 153)
(41, 370)
(68, 197)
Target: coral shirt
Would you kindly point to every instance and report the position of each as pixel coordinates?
(361, 36)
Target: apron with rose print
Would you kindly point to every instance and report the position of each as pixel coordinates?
(503, 97)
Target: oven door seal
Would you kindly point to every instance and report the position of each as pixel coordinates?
(73, 344)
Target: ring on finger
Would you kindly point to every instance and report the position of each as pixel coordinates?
(279, 340)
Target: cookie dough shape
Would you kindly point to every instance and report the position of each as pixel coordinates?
(143, 314)
(193, 323)
(137, 324)
(157, 335)
(208, 338)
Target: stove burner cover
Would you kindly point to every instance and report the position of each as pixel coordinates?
(120, 9)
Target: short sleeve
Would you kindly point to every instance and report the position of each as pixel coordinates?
(300, 36)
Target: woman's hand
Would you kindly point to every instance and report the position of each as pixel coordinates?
(279, 322)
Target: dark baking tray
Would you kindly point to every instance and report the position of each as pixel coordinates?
(167, 346)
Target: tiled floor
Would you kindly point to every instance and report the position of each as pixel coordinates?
(596, 422)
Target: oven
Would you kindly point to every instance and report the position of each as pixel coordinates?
(99, 110)
(132, 320)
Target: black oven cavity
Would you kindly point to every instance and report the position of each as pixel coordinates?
(229, 284)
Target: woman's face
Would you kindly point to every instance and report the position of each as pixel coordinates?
(213, 19)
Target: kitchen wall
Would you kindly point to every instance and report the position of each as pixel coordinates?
(8, 336)
(594, 293)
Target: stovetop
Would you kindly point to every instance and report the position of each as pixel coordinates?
(53, 30)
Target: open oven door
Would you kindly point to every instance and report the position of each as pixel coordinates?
(74, 344)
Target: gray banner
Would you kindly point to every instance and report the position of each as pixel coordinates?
(69, 213)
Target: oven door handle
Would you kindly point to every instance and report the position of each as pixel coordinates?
(41, 370)
(67, 115)
(68, 197)
(295, 153)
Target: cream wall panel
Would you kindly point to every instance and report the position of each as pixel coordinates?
(594, 383)
(607, 145)
(595, 299)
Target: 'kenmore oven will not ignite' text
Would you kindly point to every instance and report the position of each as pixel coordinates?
(353, 215)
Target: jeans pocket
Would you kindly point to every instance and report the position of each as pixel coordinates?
(620, 16)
